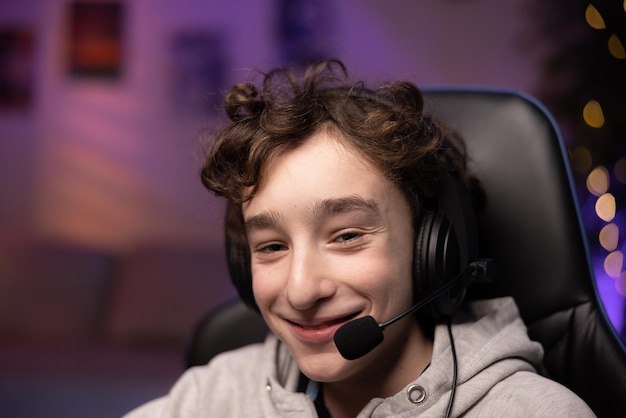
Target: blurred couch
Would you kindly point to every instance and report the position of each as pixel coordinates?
(86, 332)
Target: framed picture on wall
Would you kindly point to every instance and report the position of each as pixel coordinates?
(95, 39)
(16, 68)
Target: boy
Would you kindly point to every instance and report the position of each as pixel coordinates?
(330, 186)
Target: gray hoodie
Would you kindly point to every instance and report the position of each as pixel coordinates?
(496, 378)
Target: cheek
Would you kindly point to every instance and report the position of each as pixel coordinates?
(401, 289)
(265, 286)
(398, 271)
(386, 276)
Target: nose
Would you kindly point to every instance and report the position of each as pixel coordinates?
(309, 281)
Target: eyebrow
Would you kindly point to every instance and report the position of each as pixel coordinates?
(263, 220)
(337, 206)
(327, 207)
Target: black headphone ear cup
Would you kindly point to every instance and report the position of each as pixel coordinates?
(238, 260)
(437, 261)
(445, 244)
(445, 265)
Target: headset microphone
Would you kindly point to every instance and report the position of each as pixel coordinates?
(360, 336)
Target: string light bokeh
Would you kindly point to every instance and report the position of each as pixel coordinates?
(604, 175)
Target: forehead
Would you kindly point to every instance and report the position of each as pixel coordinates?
(326, 143)
(324, 150)
(324, 167)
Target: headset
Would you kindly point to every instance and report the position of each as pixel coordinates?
(445, 239)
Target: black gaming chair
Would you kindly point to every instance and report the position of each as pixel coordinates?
(531, 227)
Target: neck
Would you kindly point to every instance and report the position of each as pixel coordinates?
(383, 376)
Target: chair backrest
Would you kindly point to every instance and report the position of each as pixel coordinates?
(531, 226)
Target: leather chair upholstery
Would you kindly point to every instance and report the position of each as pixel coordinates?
(531, 226)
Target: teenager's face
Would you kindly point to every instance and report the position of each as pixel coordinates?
(331, 240)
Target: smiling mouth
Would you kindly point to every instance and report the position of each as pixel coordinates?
(325, 325)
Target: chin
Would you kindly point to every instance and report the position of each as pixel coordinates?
(325, 367)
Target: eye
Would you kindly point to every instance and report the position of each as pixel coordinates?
(270, 248)
(348, 236)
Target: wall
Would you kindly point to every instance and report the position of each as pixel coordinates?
(114, 163)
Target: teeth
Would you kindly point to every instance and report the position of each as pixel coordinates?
(329, 323)
(322, 326)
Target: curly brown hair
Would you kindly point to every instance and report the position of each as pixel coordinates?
(386, 125)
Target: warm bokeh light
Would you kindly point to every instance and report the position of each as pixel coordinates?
(613, 264)
(581, 159)
(593, 115)
(609, 237)
(616, 48)
(593, 18)
(605, 207)
(620, 169)
(598, 181)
